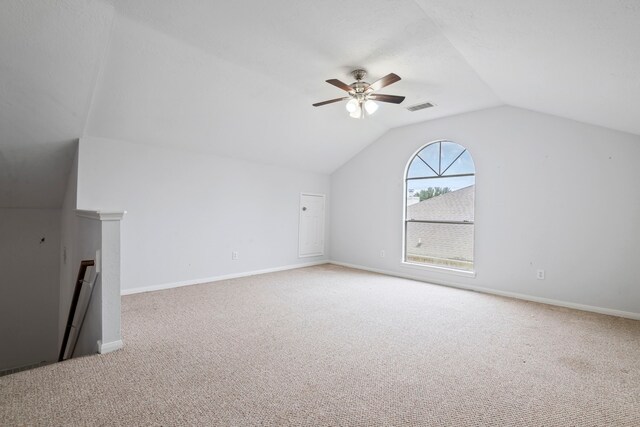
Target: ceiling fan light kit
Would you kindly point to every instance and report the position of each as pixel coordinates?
(352, 105)
(362, 95)
(370, 106)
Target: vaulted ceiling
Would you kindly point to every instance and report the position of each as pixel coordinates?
(50, 55)
(238, 78)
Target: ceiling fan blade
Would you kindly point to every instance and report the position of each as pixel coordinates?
(385, 81)
(337, 83)
(318, 104)
(394, 99)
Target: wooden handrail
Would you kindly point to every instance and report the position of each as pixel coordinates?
(74, 304)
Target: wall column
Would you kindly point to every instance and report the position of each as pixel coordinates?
(108, 265)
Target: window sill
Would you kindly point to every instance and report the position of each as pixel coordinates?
(437, 269)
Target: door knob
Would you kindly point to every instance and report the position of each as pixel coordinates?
(304, 208)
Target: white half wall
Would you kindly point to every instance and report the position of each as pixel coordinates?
(187, 211)
(29, 272)
(99, 240)
(551, 194)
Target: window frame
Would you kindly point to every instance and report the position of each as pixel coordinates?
(405, 180)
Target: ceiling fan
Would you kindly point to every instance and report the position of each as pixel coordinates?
(362, 94)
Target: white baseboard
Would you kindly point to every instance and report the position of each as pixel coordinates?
(575, 306)
(219, 278)
(108, 347)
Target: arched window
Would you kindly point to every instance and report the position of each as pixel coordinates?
(439, 201)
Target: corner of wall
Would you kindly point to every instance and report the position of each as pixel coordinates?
(68, 231)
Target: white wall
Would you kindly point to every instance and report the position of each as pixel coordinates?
(187, 211)
(552, 194)
(68, 246)
(28, 286)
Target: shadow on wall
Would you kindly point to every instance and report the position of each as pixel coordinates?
(29, 277)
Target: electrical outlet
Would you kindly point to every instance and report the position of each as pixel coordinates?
(382, 253)
(234, 255)
(540, 274)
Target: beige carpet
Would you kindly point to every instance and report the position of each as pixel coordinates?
(333, 346)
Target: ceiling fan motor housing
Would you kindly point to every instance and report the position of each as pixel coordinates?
(359, 86)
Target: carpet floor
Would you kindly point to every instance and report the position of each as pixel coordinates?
(331, 346)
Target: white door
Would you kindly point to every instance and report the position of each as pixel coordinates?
(311, 232)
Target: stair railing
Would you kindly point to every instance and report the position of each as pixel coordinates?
(74, 305)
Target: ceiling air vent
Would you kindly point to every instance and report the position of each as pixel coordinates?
(420, 106)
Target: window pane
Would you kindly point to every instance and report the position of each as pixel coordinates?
(441, 203)
(463, 165)
(431, 155)
(433, 200)
(418, 169)
(444, 245)
(450, 151)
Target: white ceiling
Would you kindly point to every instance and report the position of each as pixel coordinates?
(578, 59)
(238, 78)
(49, 59)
